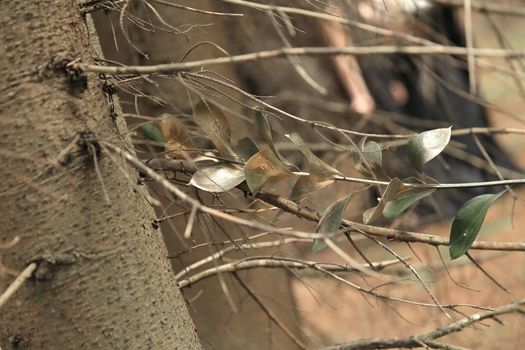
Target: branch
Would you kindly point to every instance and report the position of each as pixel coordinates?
(391, 234)
(427, 338)
(268, 312)
(311, 215)
(17, 283)
(297, 51)
(294, 208)
(275, 262)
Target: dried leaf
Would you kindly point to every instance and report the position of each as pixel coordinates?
(172, 128)
(320, 173)
(467, 223)
(316, 165)
(330, 220)
(178, 140)
(308, 184)
(427, 145)
(263, 168)
(266, 131)
(215, 125)
(218, 177)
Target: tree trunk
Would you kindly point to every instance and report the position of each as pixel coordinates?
(102, 279)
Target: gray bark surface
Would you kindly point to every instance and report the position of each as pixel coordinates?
(103, 281)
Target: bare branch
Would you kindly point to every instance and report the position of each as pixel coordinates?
(17, 283)
(276, 262)
(427, 338)
(298, 51)
(268, 312)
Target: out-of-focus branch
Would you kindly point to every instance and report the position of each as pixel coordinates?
(427, 339)
(298, 51)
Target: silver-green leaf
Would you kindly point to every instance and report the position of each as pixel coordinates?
(427, 145)
(330, 220)
(403, 199)
(218, 177)
(372, 214)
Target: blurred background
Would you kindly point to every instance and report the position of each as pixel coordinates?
(399, 94)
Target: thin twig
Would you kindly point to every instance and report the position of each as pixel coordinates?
(268, 312)
(467, 9)
(275, 262)
(427, 338)
(17, 283)
(298, 51)
(486, 273)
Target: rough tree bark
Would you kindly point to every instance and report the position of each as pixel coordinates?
(102, 280)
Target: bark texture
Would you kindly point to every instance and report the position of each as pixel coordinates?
(103, 281)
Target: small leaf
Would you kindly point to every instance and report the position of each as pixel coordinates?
(178, 141)
(246, 148)
(218, 177)
(371, 151)
(320, 173)
(262, 168)
(316, 165)
(467, 223)
(215, 125)
(404, 198)
(266, 131)
(172, 128)
(330, 220)
(151, 132)
(427, 145)
(374, 213)
(370, 159)
(307, 184)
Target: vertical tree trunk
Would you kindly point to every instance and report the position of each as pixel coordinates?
(102, 280)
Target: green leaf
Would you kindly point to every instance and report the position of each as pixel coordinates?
(374, 213)
(371, 152)
(467, 223)
(151, 132)
(218, 177)
(370, 159)
(404, 198)
(427, 145)
(246, 148)
(215, 125)
(262, 168)
(330, 220)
